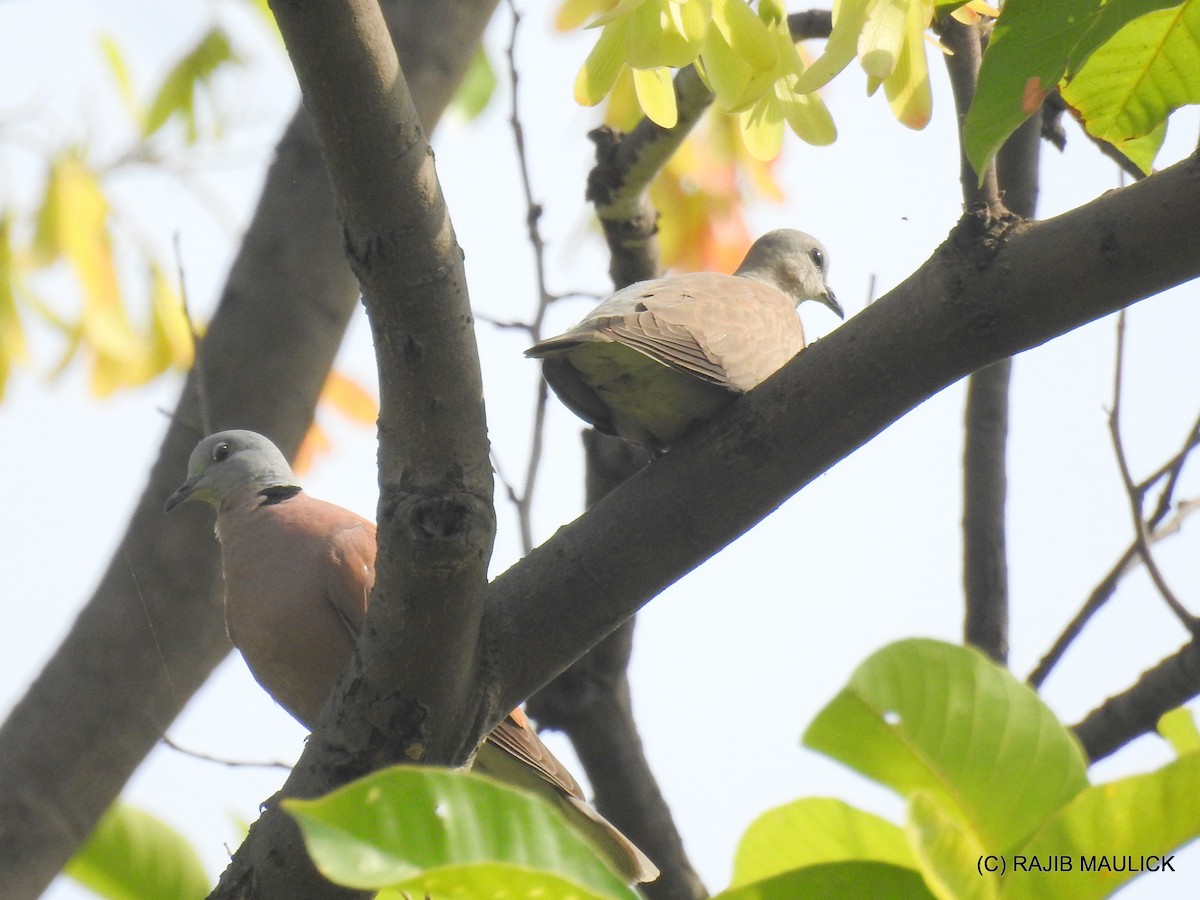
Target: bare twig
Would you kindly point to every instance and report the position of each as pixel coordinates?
(231, 763)
(1136, 496)
(523, 499)
(1107, 587)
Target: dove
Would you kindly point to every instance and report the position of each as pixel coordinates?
(298, 574)
(659, 357)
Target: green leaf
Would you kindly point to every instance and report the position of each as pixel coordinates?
(131, 855)
(389, 827)
(477, 86)
(816, 830)
(835, 881)
(947, 852)
(1143, 151)
(496, 880)
(1035, 43)
(1178, 727)
(1149, 69)
(177, 94)
(924, 715)
(1120, 822)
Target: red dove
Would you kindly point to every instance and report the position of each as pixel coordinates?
(659, 357)
(298, 575)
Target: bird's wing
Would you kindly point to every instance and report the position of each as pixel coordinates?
(352, 574)
(516, 737)
(728, 330)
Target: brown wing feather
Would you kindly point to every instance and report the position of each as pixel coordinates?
(352, 576)
(516, 737)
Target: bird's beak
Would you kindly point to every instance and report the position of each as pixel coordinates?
(831, 301)
(185, 491)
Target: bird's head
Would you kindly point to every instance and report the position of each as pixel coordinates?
(794, 262)
(230, 462)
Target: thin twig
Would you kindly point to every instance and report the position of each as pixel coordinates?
(1171, 469)
(523, 499)
(231, 763)
(1136, 496)
(1106, 588)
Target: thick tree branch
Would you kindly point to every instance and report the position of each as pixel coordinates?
(1129, 715)
(105, 698)
(984, 295)
(411, 692)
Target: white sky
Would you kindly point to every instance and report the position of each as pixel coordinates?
(763, 635)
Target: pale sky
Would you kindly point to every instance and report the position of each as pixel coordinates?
(761, 636)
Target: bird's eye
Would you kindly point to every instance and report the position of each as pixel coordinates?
(818, 258)
(220, 451)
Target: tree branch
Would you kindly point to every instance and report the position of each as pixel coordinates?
(1106, 588)
(985, 444)
(1141, 540)
(413, 687)
(1135, 712)
(987, 293)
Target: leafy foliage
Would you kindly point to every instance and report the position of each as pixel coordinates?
(1035, 47)
(1129, 86)
(987, 772)
(131, 855)
(409, 828)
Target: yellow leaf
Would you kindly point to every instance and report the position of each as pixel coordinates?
(745, 33)
(974, 11)
(315, 443)
(350, 398)
(652, 40)
(12, 336)
(600, 70)
(882, 38)
(762, 127)
(618, 10)
(573, 13)
(726, 73)
(656, 94)
(171, 341)
(623, 112)
(81, 222)
(120, 74)
(47, 246)
(907, 88)
(806, 115)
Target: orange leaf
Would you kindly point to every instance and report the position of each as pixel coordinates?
(350, 398)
